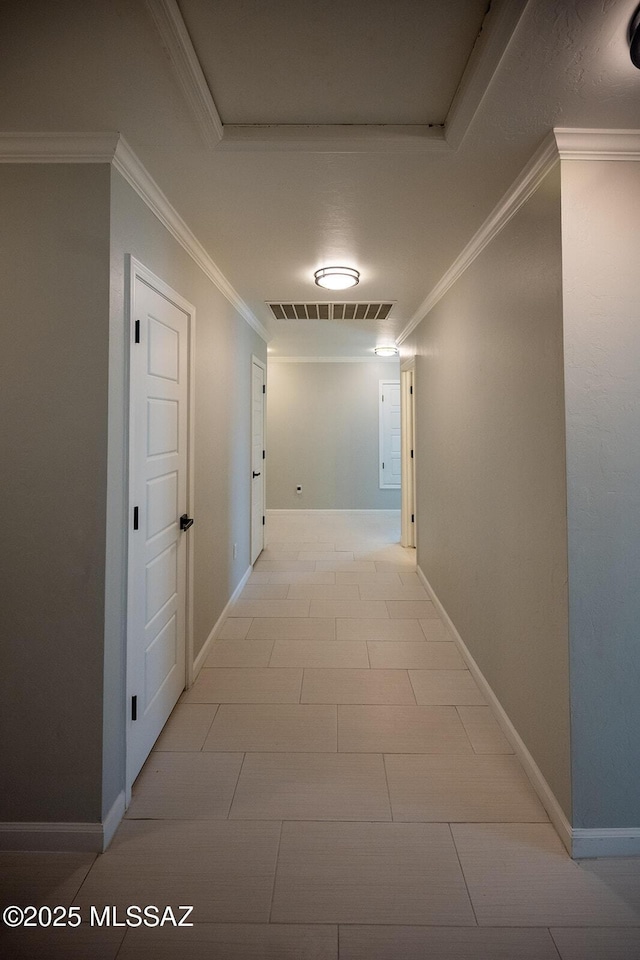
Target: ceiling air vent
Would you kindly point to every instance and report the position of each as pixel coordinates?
(330, 311)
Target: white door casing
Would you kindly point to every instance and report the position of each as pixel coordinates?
(390, 460)
(258, 387)
(160, 492)
(408, 512)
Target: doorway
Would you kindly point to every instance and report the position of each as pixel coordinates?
(408, 460)
(258, 456)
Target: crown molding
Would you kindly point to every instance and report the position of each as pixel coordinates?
(332, 359)
(180, 50)
(523, 187)
(113, 149)
(57, 147)
(129, 166)
(581, 143)
(334, 138)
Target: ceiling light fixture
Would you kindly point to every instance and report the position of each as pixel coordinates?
(634, 39)
(386, 351)
(336, 278)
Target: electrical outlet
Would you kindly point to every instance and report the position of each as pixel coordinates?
(235, 551)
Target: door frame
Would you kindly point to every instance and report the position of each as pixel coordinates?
(137, 271)
(262, 364)
(408, 463)
(381, 433)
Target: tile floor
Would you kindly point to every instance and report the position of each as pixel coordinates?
(334, 786)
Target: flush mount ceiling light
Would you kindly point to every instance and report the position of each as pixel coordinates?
(336, 278)
(386, 351)
(634, 39)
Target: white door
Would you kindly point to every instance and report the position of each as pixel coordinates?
(158, 549)
(390, 459)
(408, 538)
(258, 371)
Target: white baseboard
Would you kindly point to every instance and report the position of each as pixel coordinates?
(202, 656)
(314, 511)
(112, 820)
(580, 843)
(540, 785)
(605, 842)
(58, 837)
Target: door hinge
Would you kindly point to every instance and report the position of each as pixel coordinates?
(413, 519)
(383, 464)
(264, 454)
(383, 397)
(412, 454)
(263, 521)
(137, 332)
(134, 708)
(411, 389)
(135, 518)
(264, 388)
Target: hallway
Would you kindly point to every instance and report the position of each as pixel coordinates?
(333, 785)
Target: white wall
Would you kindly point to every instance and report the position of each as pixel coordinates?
(601, 257)
(490, 460)
(323, 433)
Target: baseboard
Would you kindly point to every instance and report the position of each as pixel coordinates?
(112, 820)
(314, 511)
(74, 837)
(202, 656)
(540, 785)
(611, 842)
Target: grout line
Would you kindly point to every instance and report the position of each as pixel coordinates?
(386, 780)
(275, 871)
(368, 654)
(453, 840)
(464, 726)
(215, 714)
(553, 941)
(244, 756)
(337, 728)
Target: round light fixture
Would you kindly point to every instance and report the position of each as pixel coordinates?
(336, 278)
(386, 351)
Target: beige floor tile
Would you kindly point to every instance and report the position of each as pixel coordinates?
(420, 609)
(319, 653)
(410, 579)
(282, 566)
(264, 591)
(234, 628)
(232, 941)
(240, 653)
(588, 943)
(185, 786)
(223, 869)
(41, 879)
(444, 943)
(377, 591)
(275, 727)
(271, 608)
(250, 685)
(519, 874)
(371, 609)
(61, 943)
(281, 553)
(331, 556)
(621, 874)
(369, 873)
(395, 566)
(320, 591)
(356, 686)
(414, 655)
(311, 786)
(369, 579)
(187, 727)
(400, 729)
(326, 577)
(294, 628)
(434, 629)
(483, 730)
(445, 687)
(259, 578)
(466, 789)
(354, 566)
(363, 629)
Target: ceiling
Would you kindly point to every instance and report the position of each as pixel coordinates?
(292, 135)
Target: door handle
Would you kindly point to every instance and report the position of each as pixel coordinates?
(255, 474)
(185, 522)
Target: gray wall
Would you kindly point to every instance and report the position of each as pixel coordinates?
(54, 240)
(601, 255)
(491, 473)
(224, 344)
(323, 433)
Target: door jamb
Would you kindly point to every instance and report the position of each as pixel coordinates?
(262, 364)
(408, 463)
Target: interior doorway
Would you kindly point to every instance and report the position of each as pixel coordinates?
(408, 458)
